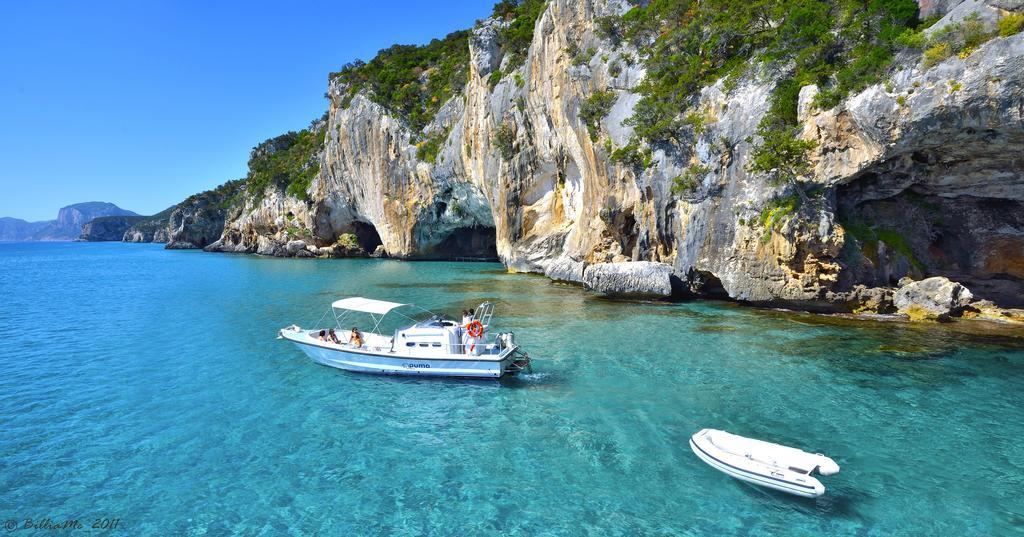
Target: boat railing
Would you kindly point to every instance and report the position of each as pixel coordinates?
(483, 313)
(520, 360)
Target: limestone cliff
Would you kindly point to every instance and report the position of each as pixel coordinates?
(67, 226)
(108, 228)
(196, 222)
(150, 229)
(918, 175)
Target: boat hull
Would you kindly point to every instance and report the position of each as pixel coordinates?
(396, 364)
(733, 466)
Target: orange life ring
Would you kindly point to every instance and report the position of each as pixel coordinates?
(475, 329)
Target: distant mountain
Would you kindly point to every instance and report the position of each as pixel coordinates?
(16, 229)
(67, 226)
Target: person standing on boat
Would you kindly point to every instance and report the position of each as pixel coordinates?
(467, 316)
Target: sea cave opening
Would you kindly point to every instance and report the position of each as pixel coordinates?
(924, 230)
(469, 243)
(367, 236)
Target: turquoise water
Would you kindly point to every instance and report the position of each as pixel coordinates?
(146, 385)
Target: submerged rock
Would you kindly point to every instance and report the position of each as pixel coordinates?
(935, 298)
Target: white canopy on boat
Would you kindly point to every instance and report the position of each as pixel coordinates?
(365, 305)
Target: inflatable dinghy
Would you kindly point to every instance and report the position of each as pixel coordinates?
(763, 463)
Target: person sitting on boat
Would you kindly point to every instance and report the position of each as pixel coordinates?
(355, 339)
(322, 336)
(466, 317)
(333, 337)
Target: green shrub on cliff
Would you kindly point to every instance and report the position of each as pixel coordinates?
(841, 45)
(609, 28)
(594, 109)
(958, 38)
(690, 179)
(228, 193)
(935, 54)
(515, 38)
(409, 80)
(782, 155)
(348, 240)
(287, 161)
(771, 215)
(428, 149)
(1011, 24)
(868, 236)
(633, 154)
(961, 38)
(495, 78)
(504, 139)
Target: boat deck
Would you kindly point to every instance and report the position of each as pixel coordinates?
(380, 345)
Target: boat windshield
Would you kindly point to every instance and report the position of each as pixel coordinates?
(432, 322)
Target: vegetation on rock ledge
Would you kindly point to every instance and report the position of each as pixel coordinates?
(690, 179)
(504, 140)
(840, 45)
(515, 37)
(409, 80)
(288, 161)
(594, 109)
(428, 149)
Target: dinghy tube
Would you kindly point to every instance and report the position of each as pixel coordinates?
(762, 463)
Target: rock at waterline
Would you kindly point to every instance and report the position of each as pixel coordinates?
(935, 298)
(639, 279)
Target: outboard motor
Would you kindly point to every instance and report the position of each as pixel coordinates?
(507, 339)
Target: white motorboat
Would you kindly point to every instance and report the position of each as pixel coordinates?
(763, 463)
(431, 347)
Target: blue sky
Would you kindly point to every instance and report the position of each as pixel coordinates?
(144, 103)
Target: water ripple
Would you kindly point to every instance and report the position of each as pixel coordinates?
(146, 384)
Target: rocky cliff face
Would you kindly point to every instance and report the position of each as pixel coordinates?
(67, 226)
(78, 214)
(16, 229)
(107, 228)
(196, 222)
(151, 229)
(920, 175)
